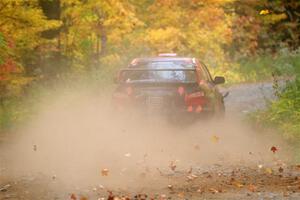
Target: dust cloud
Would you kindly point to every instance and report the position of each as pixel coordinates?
(77, 136)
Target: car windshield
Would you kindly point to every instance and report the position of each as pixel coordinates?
(164, 64)
(158, 76)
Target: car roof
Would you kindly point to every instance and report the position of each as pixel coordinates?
(135, 62)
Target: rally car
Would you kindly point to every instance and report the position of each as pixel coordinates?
(169, 85)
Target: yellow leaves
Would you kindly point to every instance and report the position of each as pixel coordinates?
(52, 24)
(237, 184)
(215, 139)
(268, 171)
(165, 40)
(272, 17)
(264, 12)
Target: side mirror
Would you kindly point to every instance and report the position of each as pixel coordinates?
(219, 80)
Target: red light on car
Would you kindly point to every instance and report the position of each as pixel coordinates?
(129, 91)
(196, 99)
(180, 90)
(190, 109)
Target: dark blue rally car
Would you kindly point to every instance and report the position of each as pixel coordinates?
(169, 85)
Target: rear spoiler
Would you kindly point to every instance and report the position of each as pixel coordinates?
(160, 69)
(116, 79)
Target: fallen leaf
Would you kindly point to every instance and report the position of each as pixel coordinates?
(237, 184)
(274, 149)
(213, 190)
(110, 196)
(83, 198)
(137, 197)
(286, 194)
(192, 177)
(200, 190)
(73, 197)
(215, 139)
(264, 12)
(181, 194)
(101, 187)
(172, 165)
(104, 172)
(280, 169)
(252, 188)
(268, 170)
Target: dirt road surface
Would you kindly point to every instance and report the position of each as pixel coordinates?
(75, 150)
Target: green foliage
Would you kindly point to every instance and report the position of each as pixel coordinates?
(3, 49)
(283, 114)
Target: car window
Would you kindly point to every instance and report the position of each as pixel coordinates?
(158, 76)
(165, 64)
(206, 72)
(201, 72)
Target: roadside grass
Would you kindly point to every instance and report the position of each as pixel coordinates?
(283, 113)
(261, 67)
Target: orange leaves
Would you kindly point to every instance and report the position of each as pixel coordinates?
(104, 172)
(73, 197)
(215, 139)
(252, 188)
(237, 184)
